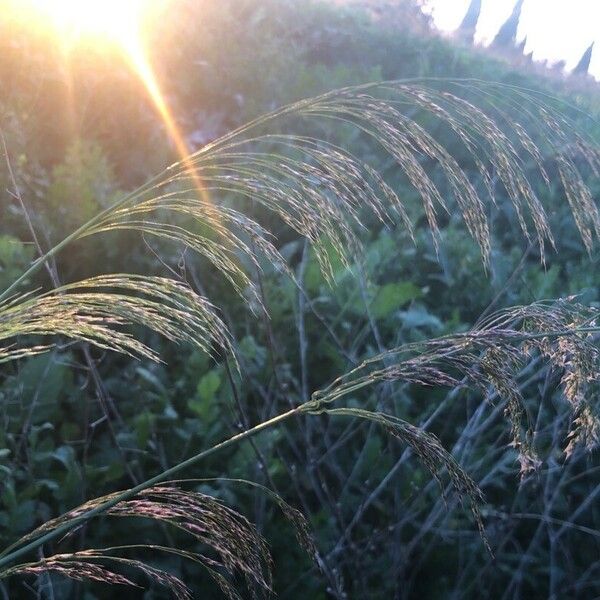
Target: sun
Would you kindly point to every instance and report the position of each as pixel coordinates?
(115, 21)
(106, 24)
(74, 26)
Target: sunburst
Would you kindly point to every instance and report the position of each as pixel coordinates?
(119, 24)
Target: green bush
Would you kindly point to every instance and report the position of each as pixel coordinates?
(379, 522)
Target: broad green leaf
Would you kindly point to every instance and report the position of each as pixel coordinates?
(209, 385)
(393, 296)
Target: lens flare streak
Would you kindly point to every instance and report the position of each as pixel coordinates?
(111, 23)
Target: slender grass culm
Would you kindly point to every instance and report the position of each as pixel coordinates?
(322, 192)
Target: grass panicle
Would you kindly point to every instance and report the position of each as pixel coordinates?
(235, 546)
(324, 192)
(489, 356)
(97, 310)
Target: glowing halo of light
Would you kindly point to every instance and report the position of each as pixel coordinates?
(110, 23)
(105, 20)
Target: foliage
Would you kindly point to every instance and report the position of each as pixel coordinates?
(334, 305)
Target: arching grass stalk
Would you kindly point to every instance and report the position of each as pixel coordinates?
(8, 556)
(320, 191)
(427, 363)
(75, 235)
(404, 139)
(153, 182)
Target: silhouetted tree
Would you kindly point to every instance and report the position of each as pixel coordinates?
(521, 46)
(466, 30)
(507, 34)
(583, 65)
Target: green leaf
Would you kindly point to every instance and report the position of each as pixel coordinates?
(420, 317)
(209, 385)
(392, 296)
(203, 404)
(144, 424)
(14, 258)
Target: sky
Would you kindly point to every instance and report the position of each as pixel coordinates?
(555, 29)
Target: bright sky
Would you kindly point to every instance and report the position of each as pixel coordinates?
(555, 29)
